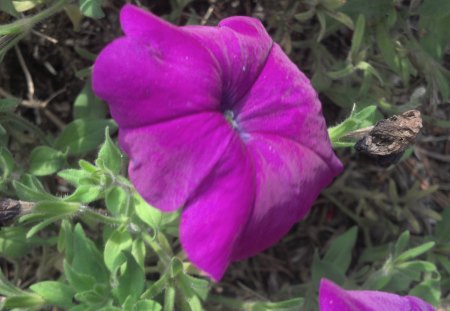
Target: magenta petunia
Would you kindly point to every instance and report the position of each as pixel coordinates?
(334, 298)
(218, 121)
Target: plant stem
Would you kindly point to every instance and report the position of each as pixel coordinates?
(27, 23)
(153, 243)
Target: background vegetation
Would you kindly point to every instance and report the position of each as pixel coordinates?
(91, 243)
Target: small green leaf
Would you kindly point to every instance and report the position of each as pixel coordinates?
(358, 36)
(8, 104)
(85, 194)
(147, 305)
(401, 243)
(83, 135)
(87, 105)
(417, 266)
(3, 137)
(138, 250)
(340, 251)
(147, 213)
(55, 293)
(13, 242)
(29, 188)
(24, 301)
(324, 269)
(86, 257)
(361, 119)
(120, 240)
(342, 18)
(109, 155)
(131, 282)
(286, 305)
(305, 16)
(91, 8)
(6, 162)
(58, 208)
(169, 298)
(81, 282)
(45, 161)
(415, 252)
(443, 227)
(8, 7)
(117, 201)
(74, 176)
(199, 286)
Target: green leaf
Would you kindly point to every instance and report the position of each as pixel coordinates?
(74, 176)
(3, 137)
(157, 287)
(87, 105)
(199, 286)
(29, 188)
(443, 227)
(131, 282)
(117, 201)
(386, 46)
(417, 266)
(24, 301)
(83, 135)
(109, 155)
(119, 241)
(342, 18)
(91, 8)
(169, 298)
(361, 119)
(13, 242)
(81, 282)
(8, 104)
(147, 305)
(358, 36)
(287, 305)
(138, 250)
(86, 257)
(8, 7)
(55, 293)
(6, 162)
(401, 243)
(147, 213)
(324, 269)
(58, 208)
(429, 290)
(340, 251)
(415, 252)
(305, 16)
(85, 194)
(45, 161)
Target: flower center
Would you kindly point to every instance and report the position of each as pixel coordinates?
(229, 116)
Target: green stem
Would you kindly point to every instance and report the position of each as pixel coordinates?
(27, 23)
(101, 218)
(153, 243)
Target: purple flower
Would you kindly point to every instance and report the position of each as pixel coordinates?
(219, 121)
(334, 298)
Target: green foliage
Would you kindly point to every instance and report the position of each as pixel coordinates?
(111, 250)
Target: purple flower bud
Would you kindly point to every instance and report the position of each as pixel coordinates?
(218, 121)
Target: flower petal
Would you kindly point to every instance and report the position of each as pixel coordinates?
(170, 160)
(157, 72)
(218, 210)
(241, 46)
(289, 177)
(334, 298)
(283, 102)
